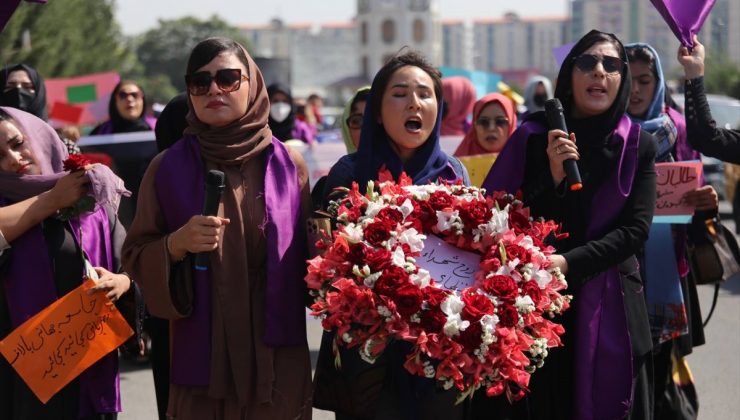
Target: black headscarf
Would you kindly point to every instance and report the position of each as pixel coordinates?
(37, 104)
(282, 130)
(599, 126)
(171, 122)
(120, 124)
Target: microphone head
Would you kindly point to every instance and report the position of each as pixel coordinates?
(215, 178)
(553, 105)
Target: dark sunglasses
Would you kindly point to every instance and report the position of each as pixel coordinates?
(355, 121)
(588, 62)
(124, 95)
(489, 123)
(228, 80)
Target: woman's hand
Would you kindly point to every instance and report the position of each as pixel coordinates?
(702, 198)
(199, 234)
(560, 262)
(67, 190)
(114, 285)
(692, 62)
(560, 147)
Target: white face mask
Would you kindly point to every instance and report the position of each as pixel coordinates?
(279, 111)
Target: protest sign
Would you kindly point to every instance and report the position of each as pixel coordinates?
(674, 179)
(450, 266)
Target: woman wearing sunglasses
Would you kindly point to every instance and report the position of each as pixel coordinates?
(237, 329)
(494, 117)
(126, 110)
(400, 132)
(600, 372)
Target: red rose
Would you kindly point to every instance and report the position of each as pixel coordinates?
(433, 321)
(76, 163)
(357, 254)
(389, 214)
(532, 289)
(424, 216)
(471, 338)
(507, 315)
(408, 299)
(377, 259)
(503, 287)
(391, 280)
(516, 251)
(377, 232)
(435, 295)
(475, 212)
(476, 306)
(440, 200)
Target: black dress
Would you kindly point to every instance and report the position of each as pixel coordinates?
(551, 396)
(702, 131)
(17, 401)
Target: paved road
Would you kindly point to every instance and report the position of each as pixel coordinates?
(716, 365)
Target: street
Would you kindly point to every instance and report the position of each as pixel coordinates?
(715, 366)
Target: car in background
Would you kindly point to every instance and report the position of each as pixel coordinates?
(726, 113)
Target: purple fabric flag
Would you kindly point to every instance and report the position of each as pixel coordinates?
(684, 17)
(561, 52)
(7, 8)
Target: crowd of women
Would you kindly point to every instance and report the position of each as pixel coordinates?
(230, 342)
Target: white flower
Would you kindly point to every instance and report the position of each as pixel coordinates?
(353, 233)
(384, 311)
(524, 304)
(373, 208)
(371, 279)
(447, 220)
(526, 242)
(452, 305)
(454, 325)
(542, 277)
(421, 278)
(406, 208)
(398, 257)
(413, 239)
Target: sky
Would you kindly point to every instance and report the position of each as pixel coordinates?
(137, 16)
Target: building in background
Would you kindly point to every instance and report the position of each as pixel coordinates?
(458, 49)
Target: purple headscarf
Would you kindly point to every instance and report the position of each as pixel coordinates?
(49, 154)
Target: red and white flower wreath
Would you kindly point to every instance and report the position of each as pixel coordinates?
(369, 289)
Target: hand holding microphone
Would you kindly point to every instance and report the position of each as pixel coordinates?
(561, 147)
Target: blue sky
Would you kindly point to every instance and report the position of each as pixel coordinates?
(136, 16)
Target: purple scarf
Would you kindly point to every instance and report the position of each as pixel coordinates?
(30, 287)
(603, 356)
(178, 182)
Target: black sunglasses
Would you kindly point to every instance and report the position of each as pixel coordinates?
(588, 62)
(355, 121)
(124, 95)
(489, 123)
(228, 80)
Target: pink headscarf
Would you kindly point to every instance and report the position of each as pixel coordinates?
(470, 145)
(459, 96)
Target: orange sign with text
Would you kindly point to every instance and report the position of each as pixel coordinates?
(51, 349)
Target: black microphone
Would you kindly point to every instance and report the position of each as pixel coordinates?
(214, 187)
(556, 121)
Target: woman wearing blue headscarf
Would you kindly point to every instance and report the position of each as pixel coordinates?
(400, 132)
(674, 313)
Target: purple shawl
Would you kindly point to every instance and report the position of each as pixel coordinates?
(178, 182)
(107, 127)
(603, 356)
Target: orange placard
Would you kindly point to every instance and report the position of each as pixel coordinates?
(51, 349)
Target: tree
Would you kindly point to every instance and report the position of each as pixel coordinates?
(64, 38)
(722, 76)
(165, 49)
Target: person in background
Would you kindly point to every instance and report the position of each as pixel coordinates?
(44, 261)
(314, 118)
(494, 119)
(172, 122)
(400, 132)
(459, 94)
(352, 117)
(126, 111)
(237, 329)
(283, 122)
(675, 315)
(702, 130)
(536, 93)
(24, 89)
(603, 370)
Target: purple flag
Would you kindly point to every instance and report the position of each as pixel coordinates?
(685, 17)
(561, 52)
(7, 7)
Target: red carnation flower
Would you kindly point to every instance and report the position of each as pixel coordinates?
(391, 280)
(435, 295)
(508, 315)
(389, 214)
(76, 163)
(433, 321)
(440, 200)
(377, 232)
(475, 213)
(516, 251)
(408, 299)
(532, 289)
(471, 338)
(377, 259)
(476, 306)
(503, 287)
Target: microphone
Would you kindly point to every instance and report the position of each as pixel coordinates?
(556, 121)
(214, 187)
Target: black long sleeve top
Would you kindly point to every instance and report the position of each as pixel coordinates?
(702, 130)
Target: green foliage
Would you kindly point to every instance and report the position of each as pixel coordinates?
(722, 77)
(67, 38)
(165, 49)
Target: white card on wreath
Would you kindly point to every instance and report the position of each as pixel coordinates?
(451, 267)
